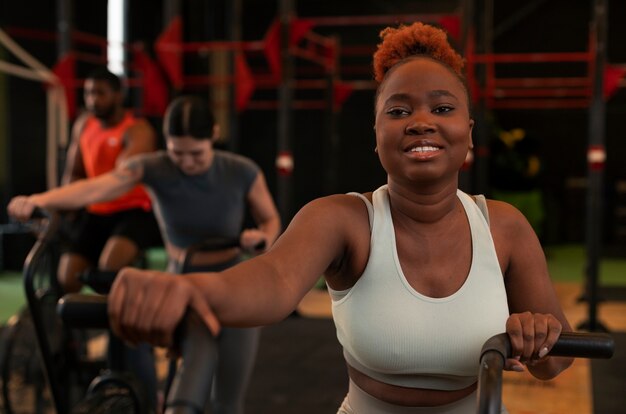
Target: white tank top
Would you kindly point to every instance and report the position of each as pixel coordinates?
(399, 336)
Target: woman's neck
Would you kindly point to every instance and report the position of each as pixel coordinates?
(425, 205)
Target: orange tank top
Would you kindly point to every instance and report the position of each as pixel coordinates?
(100, 147)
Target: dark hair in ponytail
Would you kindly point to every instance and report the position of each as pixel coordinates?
(188, 116)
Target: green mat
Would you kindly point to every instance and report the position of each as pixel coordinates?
(11, 294)
(567, 264)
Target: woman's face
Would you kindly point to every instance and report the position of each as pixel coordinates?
(423, 127)
(192, 156)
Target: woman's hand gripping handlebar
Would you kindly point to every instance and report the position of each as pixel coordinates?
(498, 348)
(159, 301)
(195, 342)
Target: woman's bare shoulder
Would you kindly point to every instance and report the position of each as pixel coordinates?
(504, 214)
(339, 203)
(510, 228)
(344, 213)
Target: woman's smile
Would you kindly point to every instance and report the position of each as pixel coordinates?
(423, 152)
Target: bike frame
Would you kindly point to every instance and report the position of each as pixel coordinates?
(35, 256)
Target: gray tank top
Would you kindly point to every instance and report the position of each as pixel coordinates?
(399, 336)
(191, 209)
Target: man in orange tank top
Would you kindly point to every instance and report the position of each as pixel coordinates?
(107, 235)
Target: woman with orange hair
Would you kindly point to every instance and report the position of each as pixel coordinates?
(420, 273)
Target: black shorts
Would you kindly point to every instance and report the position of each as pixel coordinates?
(86, 233)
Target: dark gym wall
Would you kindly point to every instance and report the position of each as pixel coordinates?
(547, 28)
(357, 168)
(24, 105)
(563, 133)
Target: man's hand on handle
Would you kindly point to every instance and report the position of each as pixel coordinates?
(22, 207)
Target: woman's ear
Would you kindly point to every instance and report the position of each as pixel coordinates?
(471, 128)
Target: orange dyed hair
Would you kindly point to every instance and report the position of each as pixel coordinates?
(418, 39)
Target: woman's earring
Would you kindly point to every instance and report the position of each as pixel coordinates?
(376, 150)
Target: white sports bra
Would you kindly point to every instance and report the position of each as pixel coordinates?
(396, 335)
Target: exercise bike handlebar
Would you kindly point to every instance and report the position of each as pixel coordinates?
(188, 393)
(82, 311)
(497, 349)
(213, 244)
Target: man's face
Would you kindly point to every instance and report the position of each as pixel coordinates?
(100, 99)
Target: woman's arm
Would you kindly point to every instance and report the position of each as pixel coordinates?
(146, 305)
(80, 193)
(265, 215)
(536, 319)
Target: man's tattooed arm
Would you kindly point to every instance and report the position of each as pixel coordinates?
(129, 170)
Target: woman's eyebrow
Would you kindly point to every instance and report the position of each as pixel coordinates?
(402, 97)
(442, 93)
(435, 93)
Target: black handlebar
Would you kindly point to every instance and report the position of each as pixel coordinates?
(584, 345)
(98, 280)
(569, 344)
(213, 244)
(84, 311)
(191, 385)
(37, 223)
(498, 348)
(39, 213)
